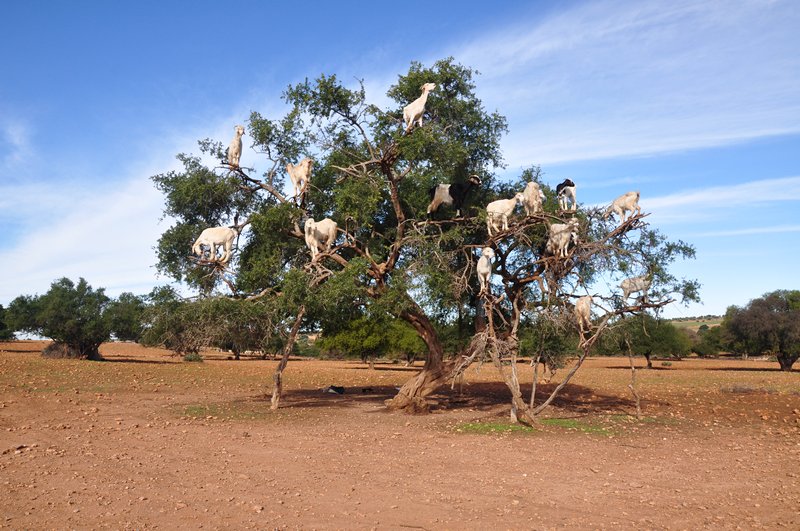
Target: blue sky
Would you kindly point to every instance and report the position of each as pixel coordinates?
(695, 104)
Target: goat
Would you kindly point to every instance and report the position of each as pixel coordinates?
(413, 111)
(300, 175)
(499, 211)
(532, 199)
(451, 194)
(211, 238)
(627, 202)
(484, 268)
(583, 313)
(320, 234)
(566, 194)
(634, 285)
(561, 234)
(235, 149)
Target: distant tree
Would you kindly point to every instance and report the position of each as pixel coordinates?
(375, 336)
(708, 341)
(767, 325)
(5, 332)
(646, 336)
(72, 315)
(125, 317)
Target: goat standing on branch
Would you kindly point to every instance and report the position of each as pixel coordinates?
(632, 285)
(451, 194)
(235, 149)
(566, 193)
(413, 111)
(498, 211)
(583, 313)
(484, 269)
(627, 202)
(561, 234)
(533, 196)
(211, 238)
(300, 175)
(320, 234)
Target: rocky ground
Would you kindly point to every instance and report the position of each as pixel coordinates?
(145, 440)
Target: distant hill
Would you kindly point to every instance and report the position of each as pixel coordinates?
(693, 323)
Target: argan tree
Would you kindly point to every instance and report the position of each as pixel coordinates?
(769, 324)
(372, 178)
(72, 315)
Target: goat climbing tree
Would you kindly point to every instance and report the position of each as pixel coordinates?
(372, 178)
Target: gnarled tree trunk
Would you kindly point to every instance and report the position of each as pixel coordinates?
(412, 396)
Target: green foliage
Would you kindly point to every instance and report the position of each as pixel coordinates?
(767, 325)
(186, 327)
(647, 337)
(549, 340)
(69, 313)
(125, 317)
(374, 336)
(709, 341)
(5, 332)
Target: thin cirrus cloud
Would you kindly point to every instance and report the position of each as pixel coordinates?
(778, 229)
(612, 79)
(689, 205)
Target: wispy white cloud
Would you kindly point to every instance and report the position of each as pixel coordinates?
(778, 229)
(610, 79)
(15, 147)
(760, 191)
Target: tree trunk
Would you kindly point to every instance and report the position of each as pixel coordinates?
(786, 361)
(519, 409)
(411, 397)
(277, 378)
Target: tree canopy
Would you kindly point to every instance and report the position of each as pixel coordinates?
(72, 315)
(769, 324)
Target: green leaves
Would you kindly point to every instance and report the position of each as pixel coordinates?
(69, 313)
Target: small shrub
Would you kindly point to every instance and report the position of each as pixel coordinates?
(666, 364)
(193, 356)
(58, 350)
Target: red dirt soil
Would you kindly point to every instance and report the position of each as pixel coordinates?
(145, 440)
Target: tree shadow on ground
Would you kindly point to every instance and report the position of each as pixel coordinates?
(575, 399)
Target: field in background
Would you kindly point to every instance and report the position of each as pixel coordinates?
(146, 440)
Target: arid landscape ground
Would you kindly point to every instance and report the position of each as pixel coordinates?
(144, 440)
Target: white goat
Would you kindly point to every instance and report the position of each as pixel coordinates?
(634, 285)
(320, 234)
(498, 211)
(413, 111)
(211, 238)
(300, 175)
(561, 234)
(235, 149)
(533, 197)
(583, 313)
(627, 202)
(484, 268)
(566, 193)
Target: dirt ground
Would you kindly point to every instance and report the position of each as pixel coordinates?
(145, 440)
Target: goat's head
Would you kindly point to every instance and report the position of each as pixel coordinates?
(488, 252)
(239, 130)
(474, 179)
(427, 87)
